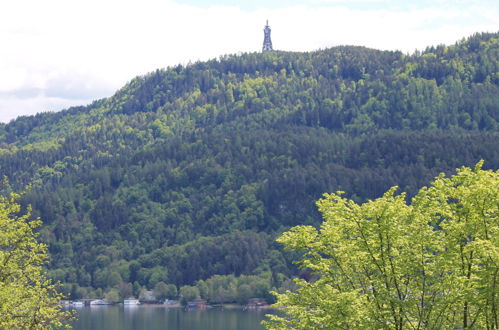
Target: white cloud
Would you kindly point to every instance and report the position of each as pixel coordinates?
(57, 53)
(10, 105)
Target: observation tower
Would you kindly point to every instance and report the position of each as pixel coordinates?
(267, 43)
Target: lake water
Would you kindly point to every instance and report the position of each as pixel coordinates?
(157, 317)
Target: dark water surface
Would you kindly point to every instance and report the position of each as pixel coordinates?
(156, 317)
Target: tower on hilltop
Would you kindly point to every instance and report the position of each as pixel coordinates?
(267, 43)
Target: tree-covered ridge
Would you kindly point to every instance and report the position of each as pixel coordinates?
(354, 77)
(182, 162)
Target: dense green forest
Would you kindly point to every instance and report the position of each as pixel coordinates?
(187, 174)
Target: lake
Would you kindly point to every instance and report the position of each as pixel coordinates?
(157, 317)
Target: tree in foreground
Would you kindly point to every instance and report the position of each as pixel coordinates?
(432, 264)
(28, 300)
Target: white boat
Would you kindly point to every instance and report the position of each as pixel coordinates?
(99, 302)
(77, 304)
(131, 302)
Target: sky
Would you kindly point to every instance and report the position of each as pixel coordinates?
(59, 53)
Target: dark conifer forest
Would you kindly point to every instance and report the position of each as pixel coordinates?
(184, 178)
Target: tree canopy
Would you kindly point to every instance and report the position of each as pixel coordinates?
(28, 300)
(430, 264)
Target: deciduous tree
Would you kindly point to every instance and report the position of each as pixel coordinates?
(430, 264)
(28, 300)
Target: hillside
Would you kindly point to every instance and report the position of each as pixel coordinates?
(191, 171)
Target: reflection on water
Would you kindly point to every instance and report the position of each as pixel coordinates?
(158, 317)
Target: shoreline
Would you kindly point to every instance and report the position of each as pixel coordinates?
(179, 306)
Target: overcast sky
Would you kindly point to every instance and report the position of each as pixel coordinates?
(58, 53)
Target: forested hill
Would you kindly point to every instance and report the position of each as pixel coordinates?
(191, 171)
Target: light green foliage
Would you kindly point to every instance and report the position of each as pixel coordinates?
(431, 264)
(172, 291)
(230, 289)
(466, 209)
(112, 295)
(27, 299)
(160, 291)
(188, 293)
(203, 289)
